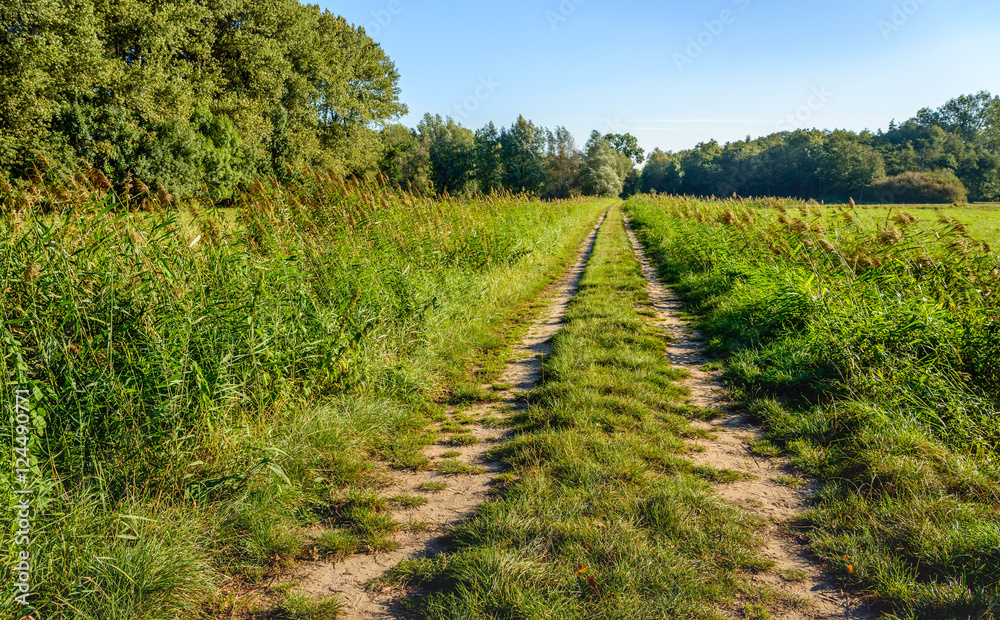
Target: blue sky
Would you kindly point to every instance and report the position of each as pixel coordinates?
(678, 73)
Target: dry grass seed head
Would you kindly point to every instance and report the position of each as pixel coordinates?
(890, 235)
(800, 226)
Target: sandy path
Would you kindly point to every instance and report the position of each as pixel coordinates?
(347, 579)
(777, 503)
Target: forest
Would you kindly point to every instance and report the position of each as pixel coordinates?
(192, 98)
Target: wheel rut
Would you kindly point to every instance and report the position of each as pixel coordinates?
(769, 488)
(350, 579)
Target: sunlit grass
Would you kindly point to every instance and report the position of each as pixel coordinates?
(601, 516)
(214, 384)
(865, 341)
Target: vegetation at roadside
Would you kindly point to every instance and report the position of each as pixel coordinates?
(201, 390)
(869, 354)
(601, 516)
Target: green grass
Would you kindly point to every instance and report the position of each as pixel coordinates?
(867, 348)
(794, 575)
(205, 400)
(462, 439)
(433, 487)
(764, 447)
(982, 220)
(303, 607)
(453, 467)
(407, 501)
(601, 515)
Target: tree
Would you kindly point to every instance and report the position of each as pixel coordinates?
(489, 159)
(405, 162)
(850, 165)
(50, 57)
(599, 172)
(966, 115)
(662, 174)
(451, 149)
(627, 145)
(192, 93)
(522, 152)
(562, 165)
(700, 170)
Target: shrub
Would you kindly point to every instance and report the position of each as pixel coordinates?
(921, 187)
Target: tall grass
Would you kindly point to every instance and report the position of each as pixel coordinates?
(871, 354)
(202, 384)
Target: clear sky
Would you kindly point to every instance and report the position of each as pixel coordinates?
(677, 73)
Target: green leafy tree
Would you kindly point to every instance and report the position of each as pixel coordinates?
(51, 58)
(562, 165)
(850, 165)
(451, 149)
(662, 174)
(405, 162)
(489, 159)
(627, 145)
(522, 148)
(700, 169)
(600, 175)
(192, 94)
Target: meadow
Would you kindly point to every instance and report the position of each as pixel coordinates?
(866, 344)
(981, 219)
(211, 387)
(205, 385)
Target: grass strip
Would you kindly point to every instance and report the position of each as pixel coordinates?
(869, 355)
(602, 516)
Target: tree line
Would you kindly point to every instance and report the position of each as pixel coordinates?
(440, 155)
(943, 155)
(203, 97)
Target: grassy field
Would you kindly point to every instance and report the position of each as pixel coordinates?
(602, 516)
(205, 386)
(982, 219)
(869, 354)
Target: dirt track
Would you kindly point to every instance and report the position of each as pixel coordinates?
(777, 502)
(347, 579)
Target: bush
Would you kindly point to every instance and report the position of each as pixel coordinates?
(921, 187)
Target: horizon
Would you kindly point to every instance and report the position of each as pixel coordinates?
(766, 70)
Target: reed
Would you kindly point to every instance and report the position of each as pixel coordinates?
(225, 371)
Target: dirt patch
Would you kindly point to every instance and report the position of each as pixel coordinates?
(445, 508)
(770, 488)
